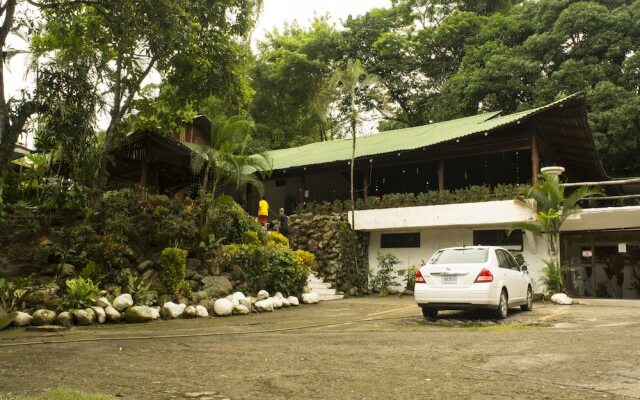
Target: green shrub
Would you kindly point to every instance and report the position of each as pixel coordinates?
(142, 294)
(410, 274)
(229, 221)
(385, 276)
(80, 293)
(305, 260)
(173, 269)
(553, 276)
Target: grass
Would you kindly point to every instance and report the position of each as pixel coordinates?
(67, 394)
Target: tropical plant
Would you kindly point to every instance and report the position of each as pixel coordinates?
(232, 156)
(410, 275)
(385, 276)
(553, 276)
(80, 293)
(551, 209)
(173, 269)
(139, 291)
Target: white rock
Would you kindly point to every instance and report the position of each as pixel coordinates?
(277, 302)
(173, 310)
(264, 305)
(141, 314)
(122, 302)
(189, 312)
(561, 298)
(293, 300)
(240, 310)
(310, 298)
(246, 302)
(238, 296)
(102, 302)
(112, 314)
(43, 317)
(65, 318)
(22, 319)
(233, 300)
(101, 315)
(84, 317)
(262, 295)
(285, 302)
(223, 307)
(201, 312)
(278, 295)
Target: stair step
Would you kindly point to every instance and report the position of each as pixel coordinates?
(327, 297)
(323, 291)
(318, 286)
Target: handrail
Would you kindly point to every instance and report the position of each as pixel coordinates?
(604, 183)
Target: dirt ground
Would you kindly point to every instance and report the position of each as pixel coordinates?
(363, 348)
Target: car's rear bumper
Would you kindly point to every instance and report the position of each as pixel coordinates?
(477, 296)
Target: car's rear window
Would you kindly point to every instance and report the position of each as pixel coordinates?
(460, 256)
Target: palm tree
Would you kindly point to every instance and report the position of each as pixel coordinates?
(350, 81)
(551, 209)
(232, 157)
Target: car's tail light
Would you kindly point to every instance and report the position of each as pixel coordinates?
(419, 277)
(484, 276)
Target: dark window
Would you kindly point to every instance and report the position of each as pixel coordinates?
(498, 238)
(281, 182)
(400, 240)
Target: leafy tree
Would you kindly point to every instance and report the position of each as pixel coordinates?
(198, 47)
(290, 75)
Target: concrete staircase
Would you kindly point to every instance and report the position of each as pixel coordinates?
(322, 289)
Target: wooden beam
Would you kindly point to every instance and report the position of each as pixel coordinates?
(535, 159)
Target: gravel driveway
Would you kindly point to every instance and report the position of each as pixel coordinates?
(361, 348)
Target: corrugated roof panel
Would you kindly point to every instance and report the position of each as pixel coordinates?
(397, 140)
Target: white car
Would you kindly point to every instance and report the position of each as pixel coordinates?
(460, 278)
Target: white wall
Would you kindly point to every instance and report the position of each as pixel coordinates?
(431, 240)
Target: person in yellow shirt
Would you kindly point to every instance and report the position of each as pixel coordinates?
(263, 212)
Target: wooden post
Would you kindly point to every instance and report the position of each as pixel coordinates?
(441, 176)
(535, 159)
(145, 166)
(594, 282)
(365, 184)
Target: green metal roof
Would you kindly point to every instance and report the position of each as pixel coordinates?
(399, 139)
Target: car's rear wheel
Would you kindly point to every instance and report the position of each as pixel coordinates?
(430, 313)
(503, 306)
(528, 306)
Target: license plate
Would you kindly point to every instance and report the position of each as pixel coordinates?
(449, 280)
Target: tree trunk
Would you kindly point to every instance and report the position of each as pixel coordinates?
(353, 198)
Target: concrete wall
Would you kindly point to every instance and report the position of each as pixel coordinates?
(431, 240)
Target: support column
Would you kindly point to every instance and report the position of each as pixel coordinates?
(535, 159)
(145, 167)
(365, 185)
(441, 176)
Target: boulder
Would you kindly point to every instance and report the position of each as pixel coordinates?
(240, 310)
(141, 314)
(233, 300)
(67, 271)
(264, 305)
(217, 286)
(278, 295)
(102, 302)
(201, 312)
(189, 312)
(245, 302)
(65, 318)
(285, 303)
(238, 296)
(112, 314)
(101, 315)
(122, 302)
(144, 266)
(46, 297)
(262, 295)
(150, 276)
(21, 319)
(84, 317)
(293, 300)
(277, 302)
(43, 317)
(223, 307)
(561, 298)
(193, 264)
(173, 310)
(310, 298)
(201, 295)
